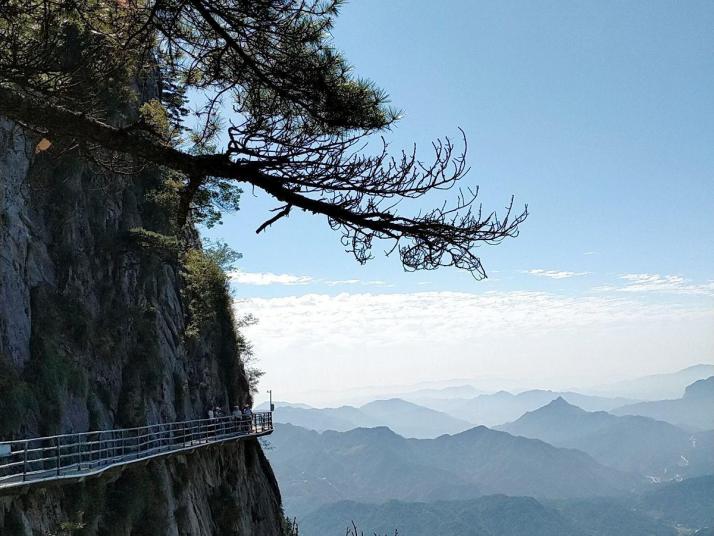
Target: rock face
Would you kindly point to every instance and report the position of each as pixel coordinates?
(93, 335)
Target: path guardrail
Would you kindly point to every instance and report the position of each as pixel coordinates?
(75, 456)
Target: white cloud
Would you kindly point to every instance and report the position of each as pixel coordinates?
(267, 278)
(555, 274)
(338, 282)
(667, 284)
(316, 341)
(342, 282)
(358, 318)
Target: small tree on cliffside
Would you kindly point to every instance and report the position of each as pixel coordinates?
(267, 87)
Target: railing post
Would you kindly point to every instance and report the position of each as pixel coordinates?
(59, 461)
(138, 444)
(24, 464)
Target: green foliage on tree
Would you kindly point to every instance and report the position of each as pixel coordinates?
(205, 290)
(274, 106)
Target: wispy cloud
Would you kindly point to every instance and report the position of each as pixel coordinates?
(667, 284)
(393, 319)
(339, 282)
(318, 341)
(268, 278)
(555, 274)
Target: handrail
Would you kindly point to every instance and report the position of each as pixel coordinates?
(40, 459)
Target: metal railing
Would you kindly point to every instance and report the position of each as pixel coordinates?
(65, 456)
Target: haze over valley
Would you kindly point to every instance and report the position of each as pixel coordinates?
(356, 268)
(556, 466)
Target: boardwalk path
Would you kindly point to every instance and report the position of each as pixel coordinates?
(43, 460)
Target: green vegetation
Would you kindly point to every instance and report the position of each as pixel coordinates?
(290, 527)
(156, 242)
(156, 117)
(207, 298)
(222, 254)
(205, 291)
(70, 528)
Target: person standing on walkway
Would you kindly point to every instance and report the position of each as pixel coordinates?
(248, 418)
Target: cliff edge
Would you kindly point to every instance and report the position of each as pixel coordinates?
(106, 322)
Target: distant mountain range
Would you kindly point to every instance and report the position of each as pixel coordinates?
(694, 410)
(404, 418)
(680, 508)
(497, 515)
(455, 391)
(503, 407)
(657, 386)
(564, 463)
(375, 465)
(629, 443)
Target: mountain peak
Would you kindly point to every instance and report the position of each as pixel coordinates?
(390, 403)
(560, 404)
(700, 389)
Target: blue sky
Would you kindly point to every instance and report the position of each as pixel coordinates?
(598, 115)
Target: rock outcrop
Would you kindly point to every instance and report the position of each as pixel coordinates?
(93, 334)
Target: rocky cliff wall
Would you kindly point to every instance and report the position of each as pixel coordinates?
(93, 317)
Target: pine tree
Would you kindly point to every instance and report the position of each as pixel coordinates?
(275, 107)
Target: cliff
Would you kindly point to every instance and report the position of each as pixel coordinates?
(105, 322)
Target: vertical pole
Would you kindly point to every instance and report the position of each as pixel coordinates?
(57, 447)
(24, 464)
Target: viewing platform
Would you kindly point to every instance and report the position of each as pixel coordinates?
(74, 457)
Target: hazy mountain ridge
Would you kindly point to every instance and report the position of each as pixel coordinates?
(689, 503)
(497, 515)
(694, 410)
(682, 508)
(503, 406)
(492, 515)
(628, 443)
(404, 418)
(373, 465)
(657, 386)
(557, 455)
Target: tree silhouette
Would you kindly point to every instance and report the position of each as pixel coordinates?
(166, 82)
